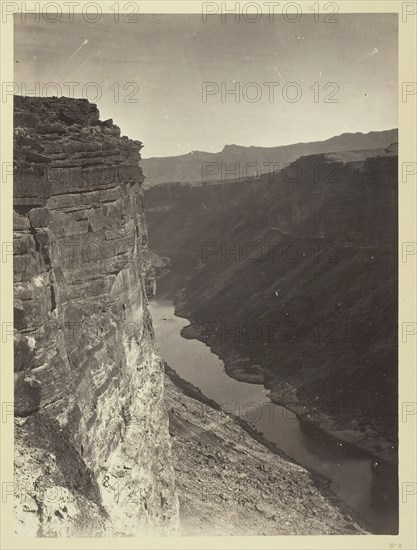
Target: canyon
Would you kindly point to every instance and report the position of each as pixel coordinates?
(291, 280)
(109, 440)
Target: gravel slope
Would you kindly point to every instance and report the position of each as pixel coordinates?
(230, 484)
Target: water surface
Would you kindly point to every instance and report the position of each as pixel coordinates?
(367, 486)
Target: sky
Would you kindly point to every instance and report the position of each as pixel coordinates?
(161, 64)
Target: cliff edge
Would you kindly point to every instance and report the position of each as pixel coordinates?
(92, 448)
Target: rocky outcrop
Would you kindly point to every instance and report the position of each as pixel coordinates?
(92, 442)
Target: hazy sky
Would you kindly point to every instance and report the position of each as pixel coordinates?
(168, 57)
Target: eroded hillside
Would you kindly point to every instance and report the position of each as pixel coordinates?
(292, 280)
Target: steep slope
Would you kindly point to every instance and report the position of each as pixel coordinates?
(231, 484)
(292, 280)
(91, 440)
(237, 162)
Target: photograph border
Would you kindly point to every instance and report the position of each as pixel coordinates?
(407, 195)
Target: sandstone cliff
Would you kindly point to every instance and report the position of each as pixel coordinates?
(92, 451)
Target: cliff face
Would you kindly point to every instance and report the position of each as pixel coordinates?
(92, 442)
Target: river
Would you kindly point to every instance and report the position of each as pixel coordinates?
(368, 488)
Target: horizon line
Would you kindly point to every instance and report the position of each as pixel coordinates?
(266, 146)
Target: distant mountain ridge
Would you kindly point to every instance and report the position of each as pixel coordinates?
(237, 161)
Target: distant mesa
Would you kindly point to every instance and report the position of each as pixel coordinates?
(197, 167)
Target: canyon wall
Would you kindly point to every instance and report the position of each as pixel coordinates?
(92, 449)
(292, 280)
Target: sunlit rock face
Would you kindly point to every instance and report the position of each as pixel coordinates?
(92, 441)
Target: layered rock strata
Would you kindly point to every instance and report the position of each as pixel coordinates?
(92, 451)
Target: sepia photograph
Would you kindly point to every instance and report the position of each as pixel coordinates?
(205, 262)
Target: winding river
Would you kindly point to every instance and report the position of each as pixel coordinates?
(366, 486)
